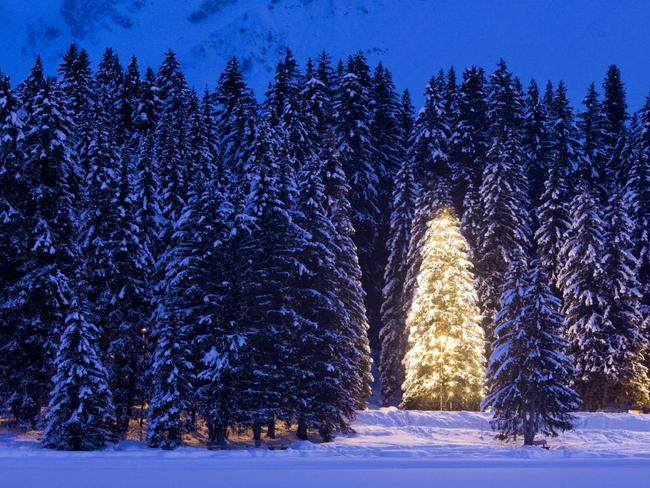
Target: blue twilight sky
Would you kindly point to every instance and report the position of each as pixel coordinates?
(573, 40)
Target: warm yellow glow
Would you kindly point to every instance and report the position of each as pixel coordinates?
(445, 361)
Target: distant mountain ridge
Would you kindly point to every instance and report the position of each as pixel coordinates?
(549, 39)
(203, 32)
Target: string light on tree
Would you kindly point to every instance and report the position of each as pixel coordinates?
(445, 362)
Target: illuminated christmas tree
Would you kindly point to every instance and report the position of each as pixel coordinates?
(445, 362)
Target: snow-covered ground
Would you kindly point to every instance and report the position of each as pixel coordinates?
(389, 448)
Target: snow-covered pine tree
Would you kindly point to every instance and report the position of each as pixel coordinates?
(38, 298)
(549, 94)
(638, 178)
(614, 108)
(581, 280)
(173, 166)
(337, 207)
(79, 90)
(146, 113)
(430, 167)
(129, 103)
(171, 370)
(553, 219)
(11, 184)
(472, 221)
(80, 412)
(285, 110)
(385, 130)
(470, 138)
(406, 120)
(326, 348)
(199, 154)
(565, 158)
(444, 363)
(222, 273)
(101, 160)
(146, 198)
(282, 91)
(205, 147)
(467, 144)
(144, 201)
(14, 190)
(535, 143)
(387, 140)
(326, 73)
(564, 144)
(338, 75)
(180, 304)
(503, 361)
(505, 103)
(30, 86)
(429, 139)
(592, 130)
(505, 223)
(235, 118)
(356, 156)
(109, 82)
(100, 218)
(220, 270)
(77, 83)
(12, 215)
(393, 334)
(127, 136)
(627, 147)
(451, 93)
(358, 65)
(171, 140)
(191, 235)
(615, 116)
(317, 95)
(197, 256)
(184, 287)
(130, 302)
(519, 90)
(528, 375)
(273, 320)
(628, 345)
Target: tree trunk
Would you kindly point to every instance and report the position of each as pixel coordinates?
(126, 415)
(257, 434)
(130, 398)
(325, 433)
(529, 434)
(217, 436)
(529, 429)
(141, 418)
(191, 419)
(301, 433)
(172, 439)
(604, 402)
(270, 429)
(220, 435)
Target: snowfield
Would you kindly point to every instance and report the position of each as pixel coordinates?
(389, 448)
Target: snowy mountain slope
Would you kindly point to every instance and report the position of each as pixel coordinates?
(547, 39)
(204, 32)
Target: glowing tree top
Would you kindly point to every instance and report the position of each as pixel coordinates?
(445, 360)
